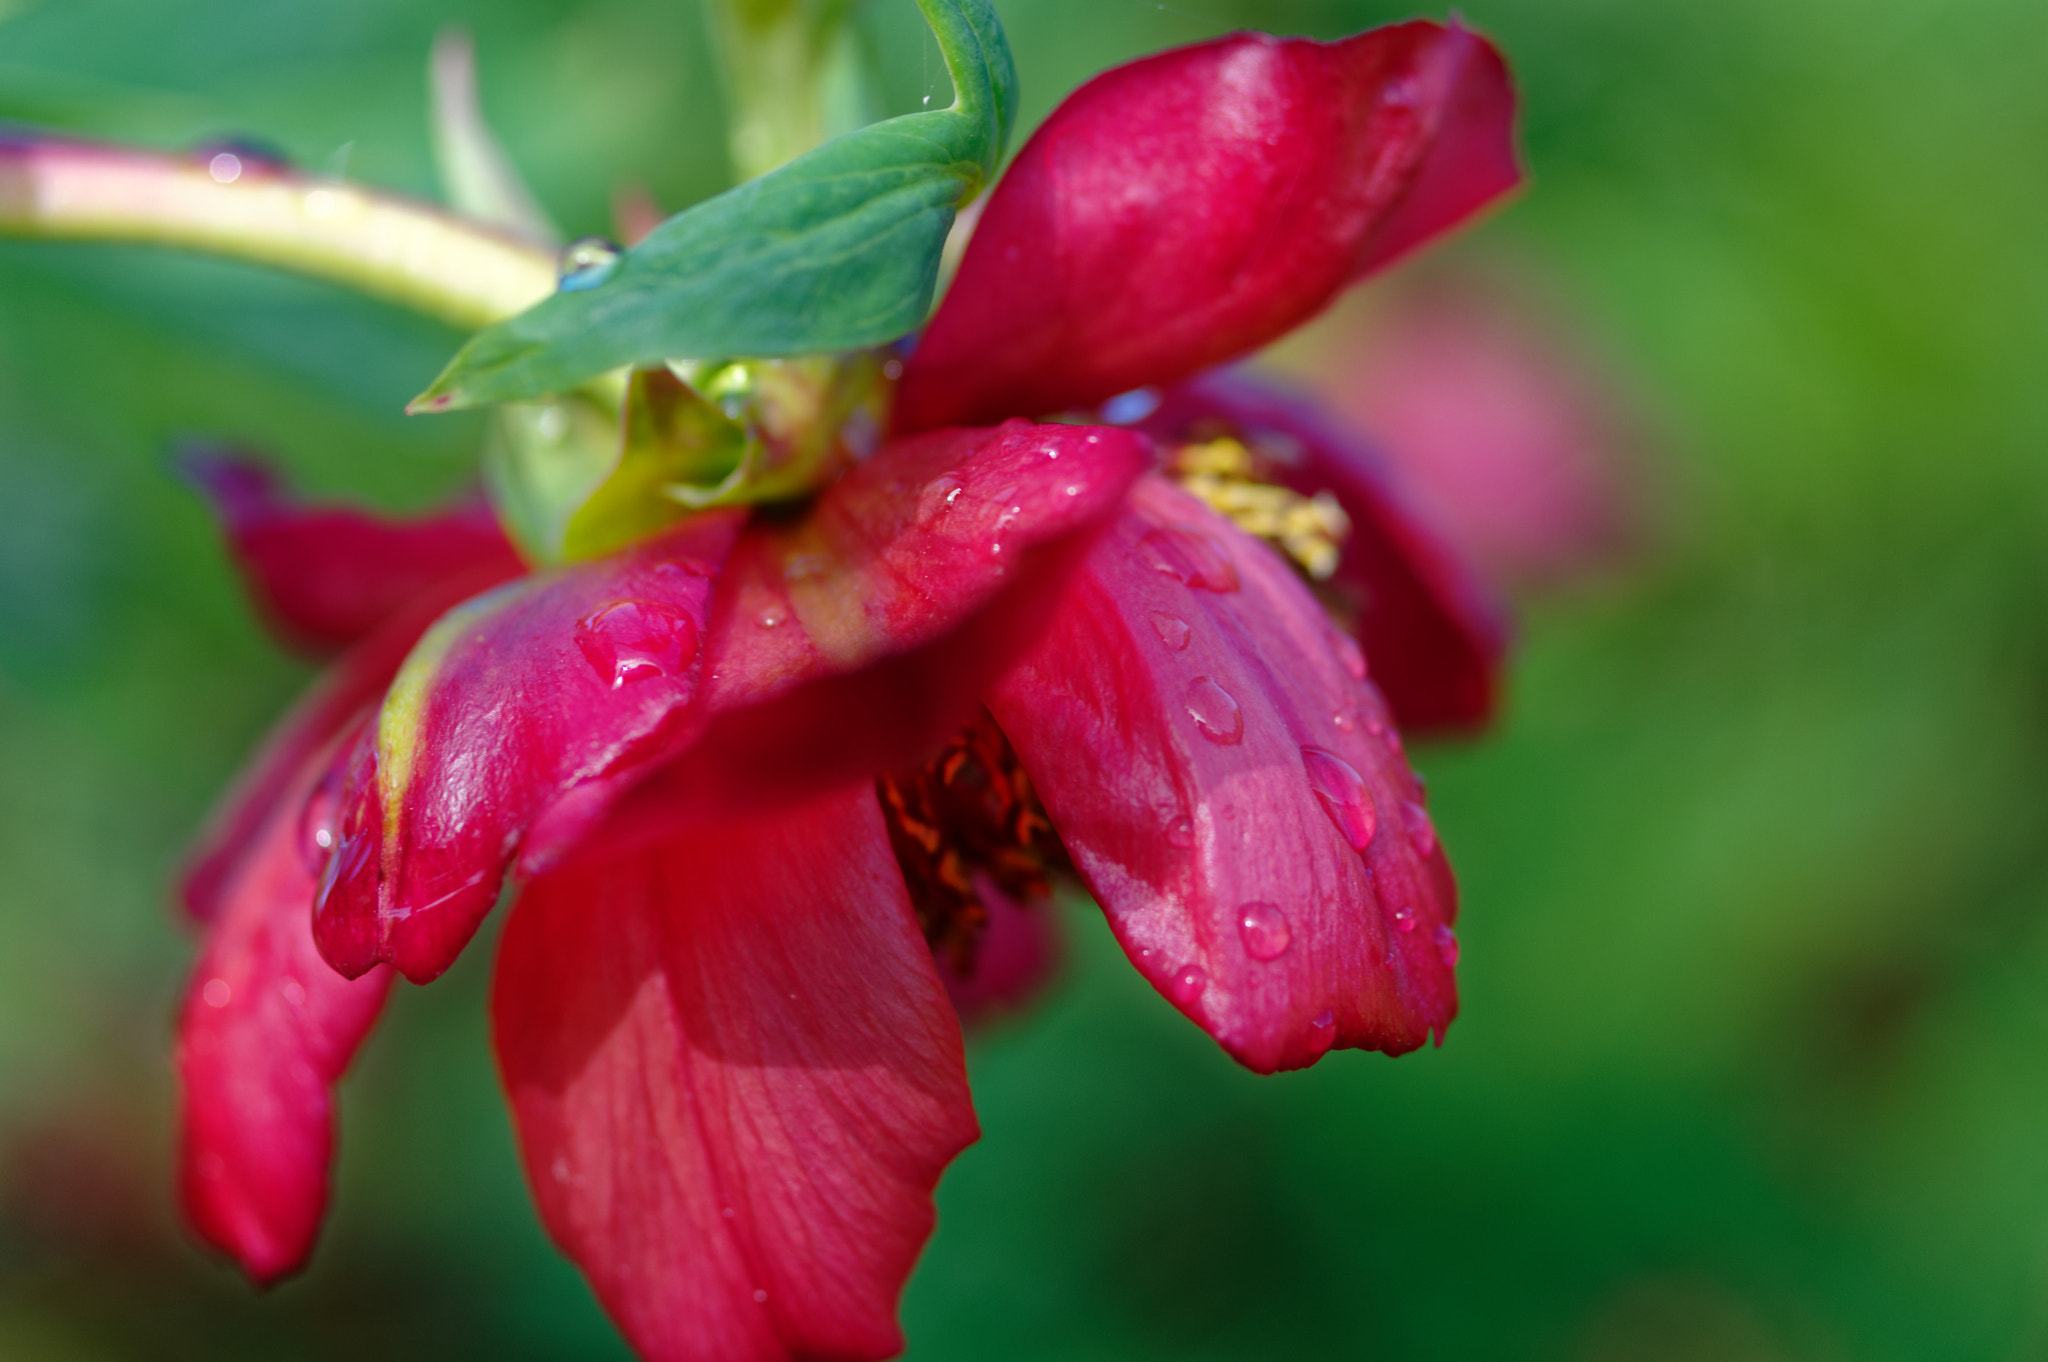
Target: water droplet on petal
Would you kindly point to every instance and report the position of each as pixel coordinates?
(226, 167)
(1324, 1020)
(1264, 929)
(1187, 984)
(760, 1296)
(320, 822)
(1173, 631)
(1189, 557)
(1343, 795)
(294, 992)
(1421, 831)
(1349, 653)
(1345, 720)
(1404, 916)
(559, 1168)
(217, 993)
(1447, 946)
(1215, 712)
(631, 641)
(772, 615)
(586, 263)
(1322, 1031)
(1181, 832)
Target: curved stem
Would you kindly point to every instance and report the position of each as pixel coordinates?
(393, 248)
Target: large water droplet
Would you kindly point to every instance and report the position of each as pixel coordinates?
(1324, 1020)
(1322, 1032)
(1264, 930)
(1187, 984)
(1349, 653)
(1190, 557)
(1421, 831)
(1343, 794)
(320, 822)
(1173, 631)
(772, 615)
(1447, 946)
(586, 263)
(1181, 832)
(636, 641)
(1215, 711)
(937, 498)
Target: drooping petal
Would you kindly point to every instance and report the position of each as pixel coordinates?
(1228, 784)
(1433, 631)
(1187, 208)
(528, 705)
(860, 638)
(325, 576)
(355, 680)
(736, 1081)
(265, 1032)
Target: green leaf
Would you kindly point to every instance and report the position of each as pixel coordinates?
(837, 250)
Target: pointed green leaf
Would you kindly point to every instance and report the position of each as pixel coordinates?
(837, 250)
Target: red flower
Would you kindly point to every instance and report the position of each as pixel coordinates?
(731, 1058)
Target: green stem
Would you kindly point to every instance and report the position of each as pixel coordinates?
(393, 248)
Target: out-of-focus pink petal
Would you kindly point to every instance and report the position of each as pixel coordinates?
(1433, 631)
(736, 1081)
(325, 576)
(859, 638)
(1018, 954)
(1230, 788)
(1189, 207)
(1511, 431)
(527, 706)
(356, 680)
(265, 1032)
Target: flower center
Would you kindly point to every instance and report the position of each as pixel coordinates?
(1233, 478)
(966, 819)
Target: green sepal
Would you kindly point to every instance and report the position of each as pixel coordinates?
(837, 250)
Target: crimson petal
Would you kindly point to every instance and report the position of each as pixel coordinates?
(1230, 787)
(1434, 631)
(736, 1080)
(859, 638)
(525, 707)
(356, 680)
(325, 576)
(1189, 207)
(266, 1030)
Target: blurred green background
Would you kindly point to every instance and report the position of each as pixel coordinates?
(1751, 1063)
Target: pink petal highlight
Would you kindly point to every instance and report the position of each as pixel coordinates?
(265, 1032)
(1268, 884)
(1191, 206)
(522, 712)
(737, 1084)
(324, 577)
(1434, 633)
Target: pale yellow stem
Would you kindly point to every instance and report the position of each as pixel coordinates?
(406, 252)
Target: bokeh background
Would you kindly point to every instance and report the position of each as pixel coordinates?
(1753, 1062)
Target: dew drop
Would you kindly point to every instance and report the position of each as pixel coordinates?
(1189, 557)
(294, 992)
(320, 822)
(586, 262)
(1215, 712)
(1447, 946)
(1349, 653)
(1126, 408)
(559, 1168)
(1173, 631)
(1322, 1031)
(1264, 930)
(1187, 984)
(1345, 720)
(1324, 1020)
(217, 993)
(760, 1296)
(631, 641)
(1181, 832)
(225, 168)
(1343, 795)
(772, 615)
(1421, 831)
(1404, 916)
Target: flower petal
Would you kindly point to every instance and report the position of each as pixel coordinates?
(860, 638)
(265, 1031)
(1233, 794)
(1189, 207)
(1017, 956)
(340, 694)
(325, 576)
(736, 1080)
(529, 705)
(1434, 632)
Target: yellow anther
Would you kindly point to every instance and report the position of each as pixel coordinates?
(1224, 473)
